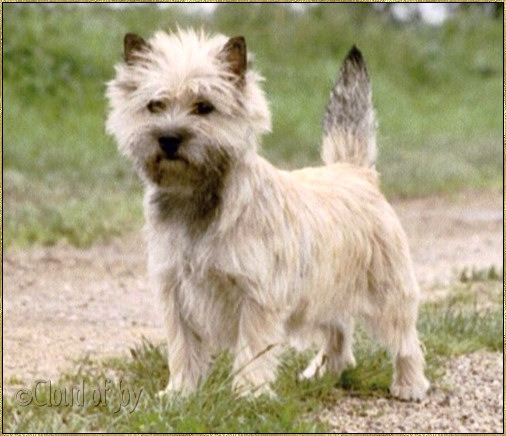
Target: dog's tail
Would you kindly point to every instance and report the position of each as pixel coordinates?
(349, 123)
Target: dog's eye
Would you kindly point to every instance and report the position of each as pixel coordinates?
(155, 106)
(202, 108)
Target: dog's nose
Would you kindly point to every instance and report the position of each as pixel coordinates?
(170, 145)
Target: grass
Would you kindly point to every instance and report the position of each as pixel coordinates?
(438, 93)
(448, 328)
(469, 275)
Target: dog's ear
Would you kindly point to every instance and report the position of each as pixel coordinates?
(234, 53)
(133, 44)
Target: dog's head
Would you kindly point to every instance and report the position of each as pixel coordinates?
(184, 107)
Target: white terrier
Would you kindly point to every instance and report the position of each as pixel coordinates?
(246, 256)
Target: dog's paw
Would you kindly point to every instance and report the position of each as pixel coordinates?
(316, 367)
(324, 364)
(313, 371)
(416, 392)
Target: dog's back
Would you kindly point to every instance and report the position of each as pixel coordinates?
(349, 124)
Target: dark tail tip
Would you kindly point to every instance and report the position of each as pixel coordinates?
(354, 55)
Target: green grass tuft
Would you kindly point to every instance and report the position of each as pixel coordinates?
(469, 275)
(446, 331)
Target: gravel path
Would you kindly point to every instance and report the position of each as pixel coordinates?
(61, 304)
(469, 399)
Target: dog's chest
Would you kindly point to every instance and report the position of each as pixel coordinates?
(210, 302)
(208, 297)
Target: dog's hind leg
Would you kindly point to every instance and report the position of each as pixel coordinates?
(395, 327)
(409, 382)
(336, 353)
(340, 347)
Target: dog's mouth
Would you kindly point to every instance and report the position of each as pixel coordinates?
(168, 170)
(161, 157)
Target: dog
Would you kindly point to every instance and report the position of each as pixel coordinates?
(245, 256)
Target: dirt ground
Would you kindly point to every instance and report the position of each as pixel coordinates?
(62, 303)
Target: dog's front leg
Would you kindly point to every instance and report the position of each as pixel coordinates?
(258, 344)
(187, 355)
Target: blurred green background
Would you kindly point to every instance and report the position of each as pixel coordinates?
(438, 91)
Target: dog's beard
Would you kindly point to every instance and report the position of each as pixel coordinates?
(176, 174)
(189, 186)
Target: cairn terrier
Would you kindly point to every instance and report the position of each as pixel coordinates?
(246, 256)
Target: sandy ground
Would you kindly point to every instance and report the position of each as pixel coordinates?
(62, 303)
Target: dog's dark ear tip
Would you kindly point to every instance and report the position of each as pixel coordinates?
(235, 53)
(131, 39)
(239, 40)
(129, 36)
(132, 44)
